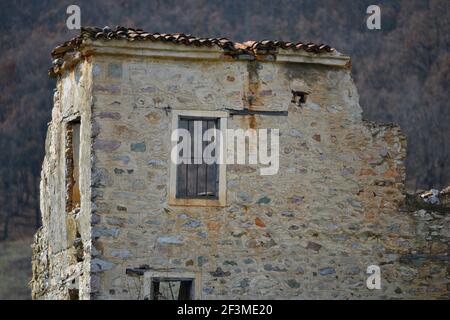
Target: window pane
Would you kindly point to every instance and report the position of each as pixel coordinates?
(201, 189)
(211, 170)
(182, 168)
(192, 168)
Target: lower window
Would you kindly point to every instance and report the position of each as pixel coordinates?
(172, 289)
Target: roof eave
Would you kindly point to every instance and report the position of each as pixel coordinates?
(172, 50)
(151, 49)
(167, 50)
(300, 56)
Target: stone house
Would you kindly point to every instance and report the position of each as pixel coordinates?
(123, 221)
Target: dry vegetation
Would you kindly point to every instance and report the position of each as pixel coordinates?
(15, 269)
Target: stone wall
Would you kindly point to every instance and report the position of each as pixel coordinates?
(309, 231)
(427, 266)
(61, 251)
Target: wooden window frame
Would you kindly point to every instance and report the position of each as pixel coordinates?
(221, 195)
(190, 187)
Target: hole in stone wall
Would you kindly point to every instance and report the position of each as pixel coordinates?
(73, 164)
(79, 248)
(73, 290)
(74, 294)
(298, 97)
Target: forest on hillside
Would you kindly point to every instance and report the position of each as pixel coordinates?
(402, 71)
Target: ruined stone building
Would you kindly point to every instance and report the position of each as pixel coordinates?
(123, 221)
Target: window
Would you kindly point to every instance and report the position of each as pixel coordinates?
(73, 289)
(172, 289)
(172, 285)
(73, 164)
(197, 178)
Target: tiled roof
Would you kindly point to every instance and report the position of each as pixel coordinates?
(232, 48)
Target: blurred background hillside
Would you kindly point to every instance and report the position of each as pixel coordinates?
(402, 73)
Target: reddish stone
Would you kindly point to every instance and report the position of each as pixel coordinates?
(391, 173)
(212, 225)
(367, 172)
(259, 222)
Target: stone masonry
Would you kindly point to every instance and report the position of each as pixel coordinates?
(308, 232)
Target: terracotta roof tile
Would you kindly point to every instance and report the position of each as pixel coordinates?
(132, 34)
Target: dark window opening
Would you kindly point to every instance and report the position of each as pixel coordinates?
(74, 294)
(172, 289)
(198, 180)
(73, 164)
(73, 290)
(299, 97)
